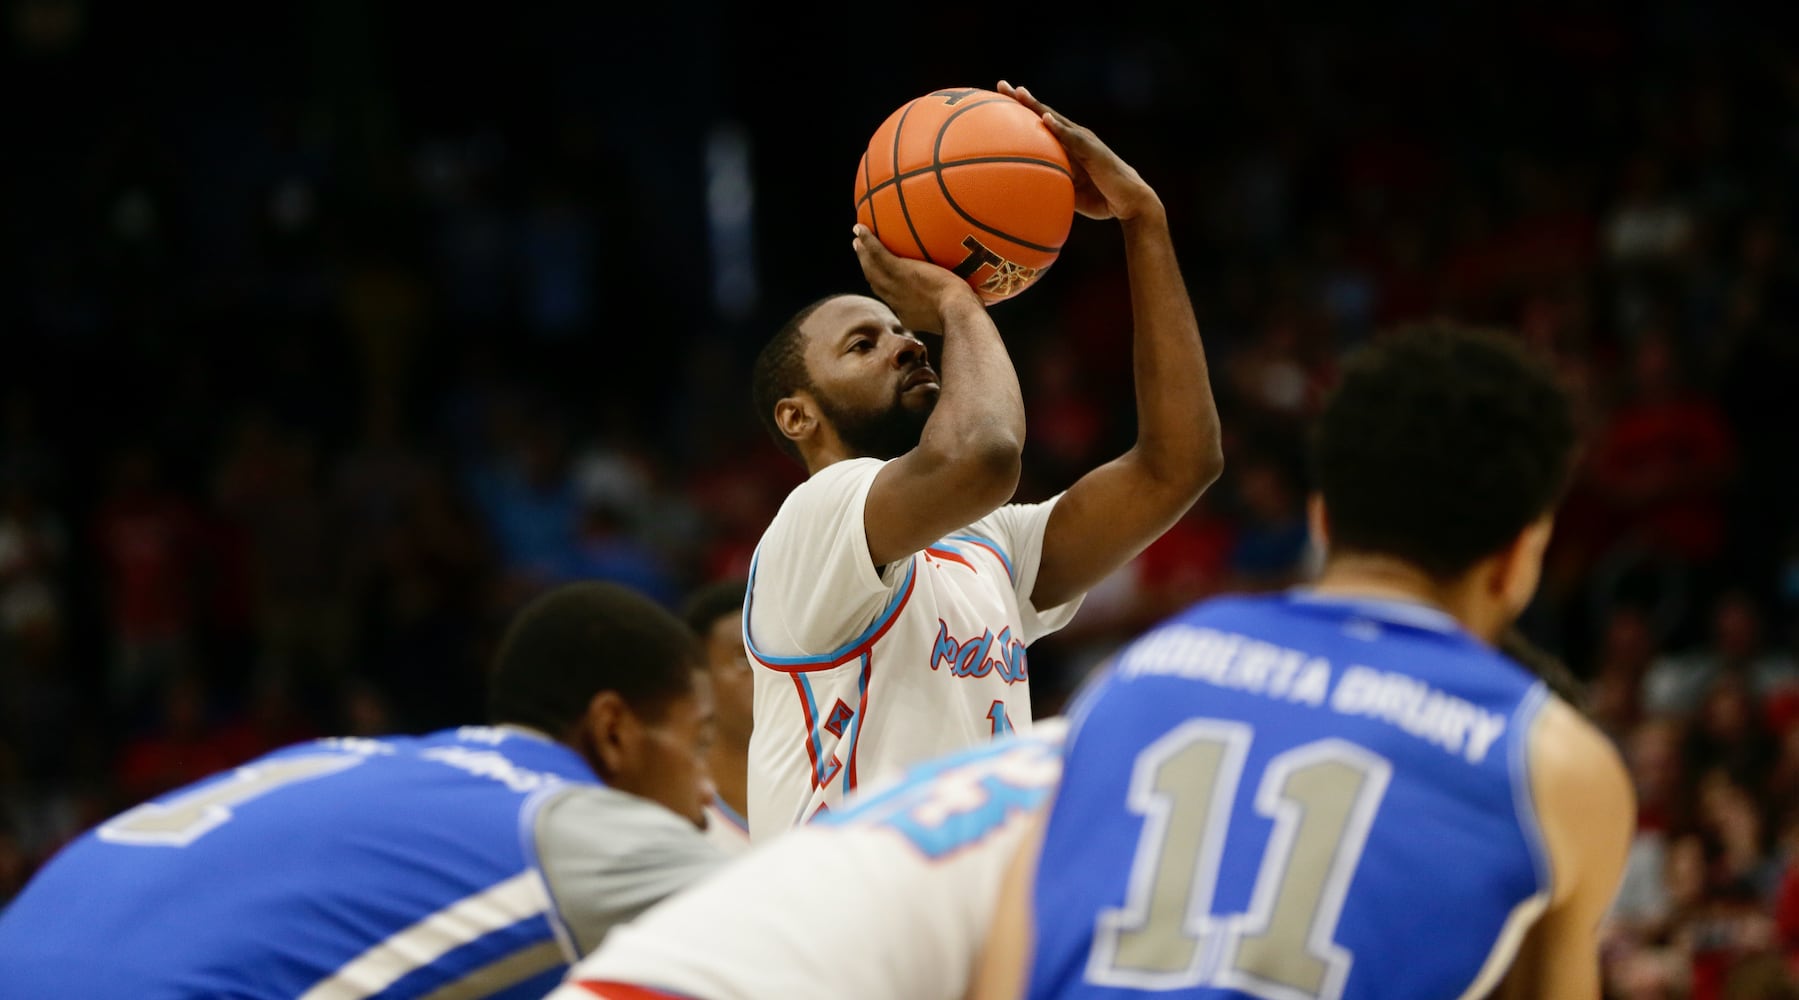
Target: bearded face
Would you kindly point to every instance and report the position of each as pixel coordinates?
(886, 431)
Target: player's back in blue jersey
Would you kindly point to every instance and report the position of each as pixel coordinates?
(337, 868)
(1293, 797)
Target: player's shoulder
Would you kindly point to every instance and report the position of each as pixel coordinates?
(575, 807)
(578, 827)
(1584, 801)
(1572, 758)
(837, 477)
(829, 489)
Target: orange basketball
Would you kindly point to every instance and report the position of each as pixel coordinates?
(971, 180)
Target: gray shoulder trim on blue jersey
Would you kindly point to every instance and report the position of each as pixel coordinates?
(1524, 719)
(607, 856)
(528, 814)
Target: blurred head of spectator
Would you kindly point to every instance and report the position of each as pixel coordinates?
(1628, 647)
(145, 534)
(1729, 732)
(1730, 815)
(1662, 461)
(1736, 644)
(33, 554)
(1657, 765)
(181, 745)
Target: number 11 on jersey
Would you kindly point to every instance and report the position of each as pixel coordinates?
(1322, 797)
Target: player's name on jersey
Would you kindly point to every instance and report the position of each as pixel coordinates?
(490, 764)
(1254, 666)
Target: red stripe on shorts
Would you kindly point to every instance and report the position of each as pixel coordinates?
(625, 991)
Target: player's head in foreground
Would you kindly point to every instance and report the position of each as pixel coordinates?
(715, 613)
(1438, 461)
(844, 374)
(617, 677)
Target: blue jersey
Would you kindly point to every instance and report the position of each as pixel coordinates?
(1293, 797)
(337, 868)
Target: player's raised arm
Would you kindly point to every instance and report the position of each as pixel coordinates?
(967, 459)
(1587, 812)
(1113, 512)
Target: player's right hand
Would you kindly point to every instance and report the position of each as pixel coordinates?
(920, 293)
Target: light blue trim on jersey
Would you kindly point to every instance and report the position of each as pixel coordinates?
(855, 727)
(725, 810)
(814, 733)
(960, 820)
(1523, 800)
(880, 622)
(1398, 612)
(749, 582)
(991, 546)
(527, 837)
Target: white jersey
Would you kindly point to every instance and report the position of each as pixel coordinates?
(728, 830)
(861, 673)
(891, 898)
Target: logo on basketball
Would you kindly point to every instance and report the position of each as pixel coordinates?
(1008, 278)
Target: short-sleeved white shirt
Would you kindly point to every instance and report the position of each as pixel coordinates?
(862, 671)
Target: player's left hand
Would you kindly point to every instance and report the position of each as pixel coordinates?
(1105, 187)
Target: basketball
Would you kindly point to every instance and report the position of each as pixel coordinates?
(971, 180)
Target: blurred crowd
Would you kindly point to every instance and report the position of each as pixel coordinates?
(304, 390)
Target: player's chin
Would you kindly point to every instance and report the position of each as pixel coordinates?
(921, 398)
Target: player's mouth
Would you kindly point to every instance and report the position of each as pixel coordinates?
(922, 375)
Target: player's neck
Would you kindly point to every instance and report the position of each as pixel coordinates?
(1385, 578)
(730, 766)
(821, 459)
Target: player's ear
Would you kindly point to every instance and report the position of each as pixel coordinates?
(1318, 521)
(796, 416)
(611, 735)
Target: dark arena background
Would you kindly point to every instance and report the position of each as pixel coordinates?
(331, 332)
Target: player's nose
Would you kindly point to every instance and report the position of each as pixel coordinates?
(909, 352)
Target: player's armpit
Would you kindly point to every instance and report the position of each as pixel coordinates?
(1002, 966)
(1586, 809)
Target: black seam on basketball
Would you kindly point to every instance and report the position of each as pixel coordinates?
(943, 186)
(906, 214)
(874, 220)
(921, 171)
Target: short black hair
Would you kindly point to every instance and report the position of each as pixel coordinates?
(780, 371)
(713, 601)
(1439, 444)
(579, 639)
